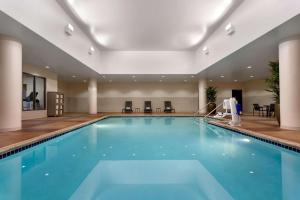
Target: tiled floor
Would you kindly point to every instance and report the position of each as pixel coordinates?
(270, 127)
(39, 127)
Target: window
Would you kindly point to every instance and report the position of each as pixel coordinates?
(34, 92)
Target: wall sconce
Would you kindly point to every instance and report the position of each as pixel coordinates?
(229, 29)
(69, 29)
(91, 50)
(205, 50)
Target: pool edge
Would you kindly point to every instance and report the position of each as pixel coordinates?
(293, 146)
(20, 146)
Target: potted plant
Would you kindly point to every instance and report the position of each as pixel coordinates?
(273, 86)
(211, 95)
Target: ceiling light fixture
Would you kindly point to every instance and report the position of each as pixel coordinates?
(91, 50)
(192, 76)
(73, 76)
(229, 29)
(235, 80)
(84, 81)
(103, 76)
(160, 80)
(69, 29)
(205, 50)
(133, 76)
(163, 76)
(210, 80)
(47, 67)
(249, 67)
(222, 76)
(251, 76)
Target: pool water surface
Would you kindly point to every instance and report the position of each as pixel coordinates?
(152, 158)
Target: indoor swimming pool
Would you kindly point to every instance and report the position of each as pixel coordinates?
(161, 158)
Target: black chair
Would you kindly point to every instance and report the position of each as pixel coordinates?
(128, 107)
(258, 108)
(168, 107)
(271, 111)
(147, 107)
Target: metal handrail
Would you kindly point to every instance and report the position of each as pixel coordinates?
(198, 111)
(205, 117)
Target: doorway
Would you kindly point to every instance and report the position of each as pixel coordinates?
(238, 95)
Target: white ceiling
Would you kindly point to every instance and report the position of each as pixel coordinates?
(137, 25)
(39, 52)
(257, 54)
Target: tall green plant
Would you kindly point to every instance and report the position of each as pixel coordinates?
(211, 94)
(273, 81)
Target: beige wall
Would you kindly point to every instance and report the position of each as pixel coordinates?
(51, 86)
(225, 90)
(253, 92)
(184, 97)
(111, 97)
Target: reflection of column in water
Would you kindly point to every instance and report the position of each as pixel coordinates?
(290, 173)
(93, 137)
(11, 180)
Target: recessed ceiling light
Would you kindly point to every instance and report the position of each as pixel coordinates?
(69, 29)
(192, 76)
(222, 76)
(229, 29)
(47, 67)
(103, 76)
(205, 50)
(160, 80)
(84, 81)
(235, 80)
(73, 76)
(249, 67)
(162, 76)
(210, 80)
(91, 50)
(133, 76)
(251, 76)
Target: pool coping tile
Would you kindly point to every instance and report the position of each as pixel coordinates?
(20, 146)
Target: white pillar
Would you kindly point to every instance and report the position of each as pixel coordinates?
(10, 84)
(202, 85)
(92, 88)
(289, 76)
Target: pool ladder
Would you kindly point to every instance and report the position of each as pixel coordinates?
(197, 113)
(206, 116)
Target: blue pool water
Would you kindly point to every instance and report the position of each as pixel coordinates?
(151, 158)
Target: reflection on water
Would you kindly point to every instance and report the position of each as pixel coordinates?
(168, 121)
(175, 179)
(148, 120)
(128, 120)
(165, 158)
